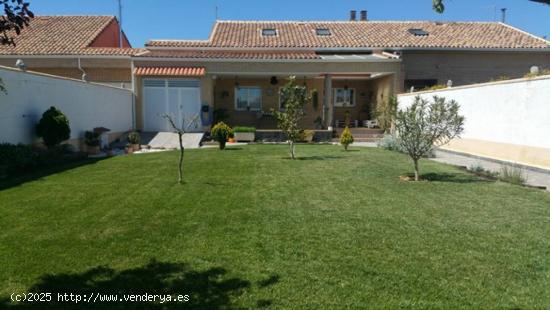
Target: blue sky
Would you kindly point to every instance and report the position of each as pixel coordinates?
(193, 19)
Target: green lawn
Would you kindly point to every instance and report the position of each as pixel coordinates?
(251, 228)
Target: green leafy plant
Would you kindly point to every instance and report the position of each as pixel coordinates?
(53, 127)
(91, 138)
(220, 132)
(386, 113)
(2, 87)
(346, 138)
(318, 122)
(244, 129)
(512, 174)
(288, 120)
(425, 124)
(134, 138)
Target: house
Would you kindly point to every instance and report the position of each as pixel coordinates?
(75, 47)
(349, 66)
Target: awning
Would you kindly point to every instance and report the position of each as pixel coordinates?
(170, 71)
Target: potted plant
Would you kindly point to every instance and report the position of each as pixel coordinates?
(91, 139)
(134, 140)
(220, 133)
(244, 134)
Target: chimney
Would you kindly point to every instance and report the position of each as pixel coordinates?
(503, 14)
(363, 15)
(353, 15)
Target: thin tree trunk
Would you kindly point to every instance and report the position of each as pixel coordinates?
(180, 179)
(416, 170)
(292, 149)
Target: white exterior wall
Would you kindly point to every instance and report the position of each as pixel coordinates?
(87, 105)
(513, 112)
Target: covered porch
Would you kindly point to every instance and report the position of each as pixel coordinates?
(337, 100)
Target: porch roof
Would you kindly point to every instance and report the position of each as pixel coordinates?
(170, 71)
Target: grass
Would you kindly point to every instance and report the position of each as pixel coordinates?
(251, 228)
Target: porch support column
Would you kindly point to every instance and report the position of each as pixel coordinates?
(327, 102)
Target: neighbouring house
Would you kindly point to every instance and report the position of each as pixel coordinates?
(72, 46)
(349, 66)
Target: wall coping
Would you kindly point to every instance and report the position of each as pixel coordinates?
(477, 85)
(61, 78)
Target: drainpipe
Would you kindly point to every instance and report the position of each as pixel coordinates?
(84, 75)
(133, 94)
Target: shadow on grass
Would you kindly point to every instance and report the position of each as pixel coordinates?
(319, 157)
(209, 289)
(13, 181)
(233, 148)
(451, 178)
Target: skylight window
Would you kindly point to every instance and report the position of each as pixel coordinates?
(269, 32)
(418, 32)
(322, 31)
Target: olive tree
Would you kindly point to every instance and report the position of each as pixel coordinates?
(425, 125)
(16, 16)
(295, 98)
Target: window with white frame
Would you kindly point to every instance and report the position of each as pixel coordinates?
(248, 98)
(344, 97)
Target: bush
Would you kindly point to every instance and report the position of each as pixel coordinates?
(53, 127)
(91, 138)
(389, 142)
(134, 138)
(220, 133)
(22, 158)
(244, 129)
(512, 174)
(16, 158)
(346, 139)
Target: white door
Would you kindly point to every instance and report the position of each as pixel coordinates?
(178, 98)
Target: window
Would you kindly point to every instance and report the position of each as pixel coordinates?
(322, 31)
(344, 97)
(418, 32)
(248, 99)
(269, 32)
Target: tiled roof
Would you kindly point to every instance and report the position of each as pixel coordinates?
(63, 35)
(370, 34)
(209, 54)
(170, 71)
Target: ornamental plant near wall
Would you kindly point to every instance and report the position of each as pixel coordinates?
(221, 132)
(347, 138)
(53, 127)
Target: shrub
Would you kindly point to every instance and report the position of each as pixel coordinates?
(346, 139)
(91, 138)
(134, 138)
(244, 129)
(389, 142)
(220, 133)
(53, 127)
(512, 174)
(386, 112)
(16, 158)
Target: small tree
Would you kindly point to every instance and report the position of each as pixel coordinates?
(295, 98)
(425, 125)
(180, 131)
(221, 132)
(53, 127)
(346, 139)
(386, 112)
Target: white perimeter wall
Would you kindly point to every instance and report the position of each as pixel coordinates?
(513, 112)
(87, 105)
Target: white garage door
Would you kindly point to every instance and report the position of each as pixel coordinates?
(181, 99)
